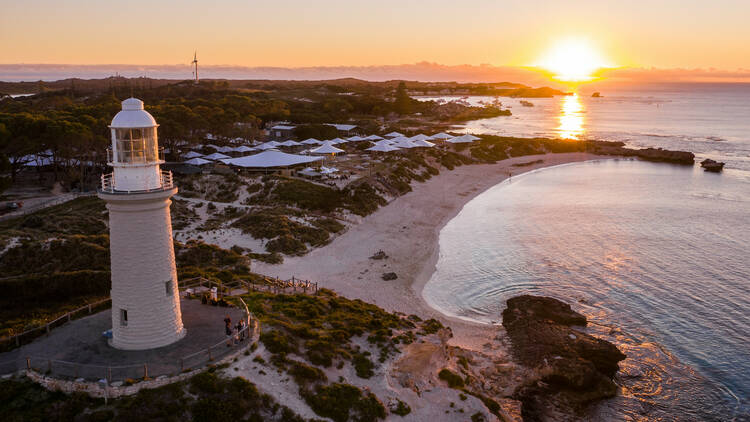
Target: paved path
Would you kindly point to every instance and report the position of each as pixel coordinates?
(81, 342)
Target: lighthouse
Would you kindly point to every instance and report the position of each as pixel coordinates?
(145, 300)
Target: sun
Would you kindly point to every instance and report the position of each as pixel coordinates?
(572, 60)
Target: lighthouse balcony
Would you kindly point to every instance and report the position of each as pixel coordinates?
(109, 185)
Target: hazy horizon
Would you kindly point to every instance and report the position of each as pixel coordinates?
(422, 71)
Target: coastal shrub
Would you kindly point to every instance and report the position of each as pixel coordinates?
(363, 365)
(431, 326)
(325, 322)
(342, 402)
(453, 380)
(328, 224)
(81, 216)
(401, 408)
(212, 398)
(305, 374)
(286, 244)
(278, 342)
(307, 195)
(66, 254)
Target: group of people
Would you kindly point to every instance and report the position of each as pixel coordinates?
(236, 334)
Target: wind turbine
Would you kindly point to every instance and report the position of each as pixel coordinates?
(195, 62)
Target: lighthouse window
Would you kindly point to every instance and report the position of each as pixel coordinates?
(137, 145)
(123, 317)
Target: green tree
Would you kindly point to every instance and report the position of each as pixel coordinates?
(403, 101)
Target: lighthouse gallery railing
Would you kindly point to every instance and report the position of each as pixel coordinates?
(108, 183)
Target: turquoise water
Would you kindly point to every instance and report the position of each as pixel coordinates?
(655, 254)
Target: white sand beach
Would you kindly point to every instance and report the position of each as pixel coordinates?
(407, 230)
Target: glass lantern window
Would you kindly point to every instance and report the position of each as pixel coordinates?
(136, 146)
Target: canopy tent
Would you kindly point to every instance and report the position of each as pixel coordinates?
(471, 137)
(382, 148)
(423, 143)
(420, 137)
(355, 138)
(216, 156)
(308, 171)
(337, 141)
(289, 143)
(197, 161)
(403, 143)
(270, 158)
(384, 142)
(326, 170)
(326, 148)
(216, 147)
(441, 136)
(225, 149)
(192, 154)
(373, 138)
(267, 145)
(311, 141)
(459, 140)
(243, 148)
(393, 135)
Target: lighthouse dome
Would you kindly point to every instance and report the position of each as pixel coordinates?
(133, 115)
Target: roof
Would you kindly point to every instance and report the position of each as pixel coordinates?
(310, 141)
(270, 158)
(420, 137)
(244, 148)
(133, 115)
(268, 145)
(441, 135)
(461, 140)
(423, 143)
(326, 148)
(289, 143)
(197, 161)
(215, 156)
(192, 154)
(374, 138)
(393, 134)
(283, 127)
(383, 148)
(344, 128)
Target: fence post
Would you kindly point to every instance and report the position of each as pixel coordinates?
(28, 363)
(89, 308)
(68, 316)
(145, 371)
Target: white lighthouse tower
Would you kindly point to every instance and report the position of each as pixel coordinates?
(145, 300)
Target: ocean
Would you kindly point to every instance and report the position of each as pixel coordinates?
(656, 255)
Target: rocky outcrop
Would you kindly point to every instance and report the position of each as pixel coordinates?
(573, 368)
(649, 154)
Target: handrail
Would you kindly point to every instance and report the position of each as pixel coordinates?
(166, 182)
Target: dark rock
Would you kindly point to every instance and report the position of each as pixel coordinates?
(389, 276)
(648, 154)
(379, 255)
(596, 95)
(712, 165)
(574, 368)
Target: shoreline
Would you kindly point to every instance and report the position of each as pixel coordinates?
(408, 230)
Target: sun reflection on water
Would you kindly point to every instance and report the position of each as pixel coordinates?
(571, 118)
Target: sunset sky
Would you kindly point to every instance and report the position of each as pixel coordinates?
(637, 33)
